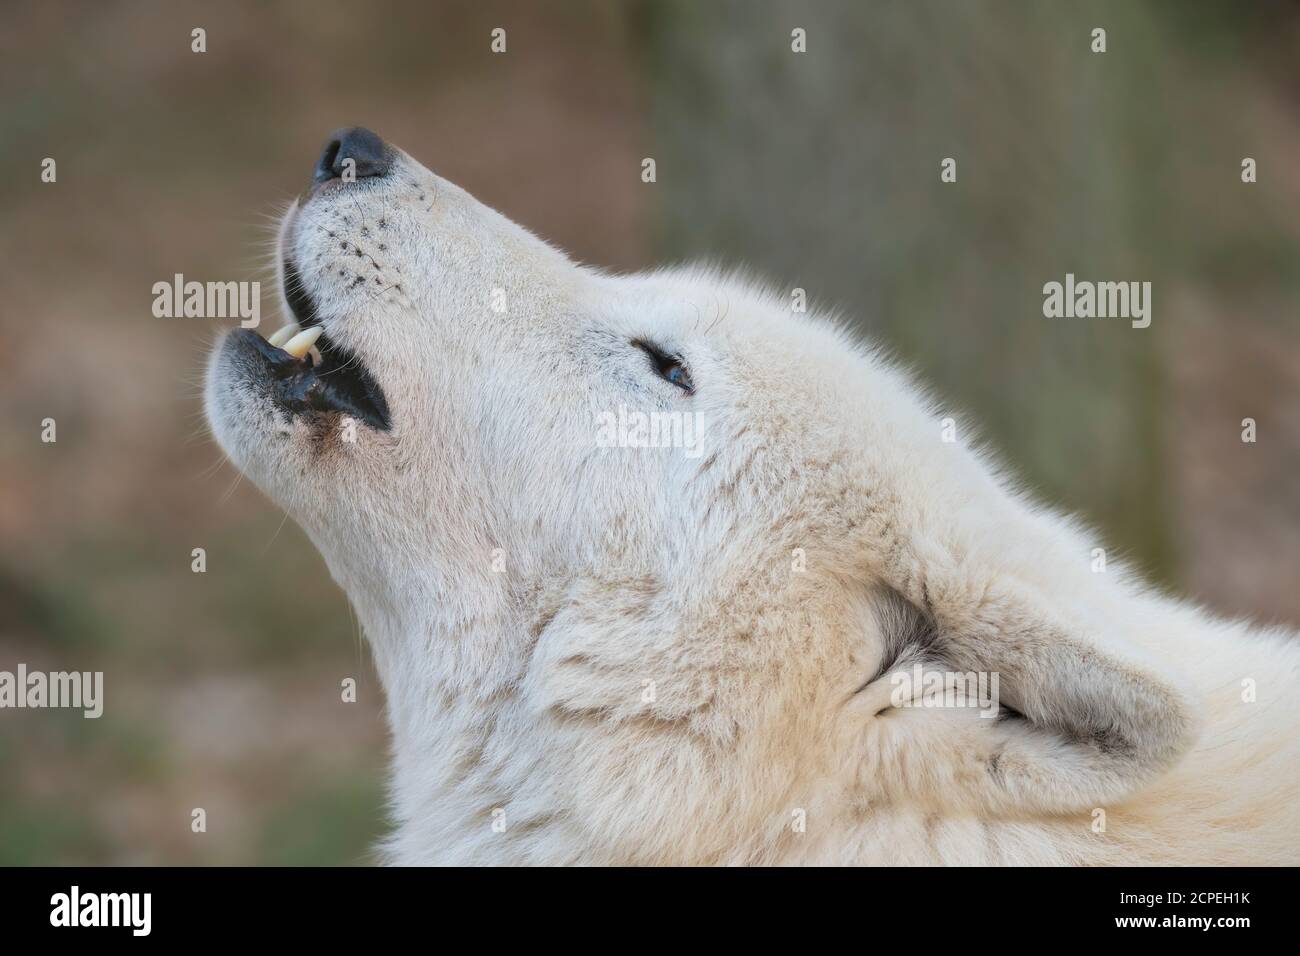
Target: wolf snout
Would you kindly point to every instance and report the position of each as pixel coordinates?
(354, 151)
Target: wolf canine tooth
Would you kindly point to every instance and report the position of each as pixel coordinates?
(301, 344)
(283, 335)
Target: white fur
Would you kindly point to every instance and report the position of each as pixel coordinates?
(613, 647)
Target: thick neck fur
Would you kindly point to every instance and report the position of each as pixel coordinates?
(467, 749)
(451, 658)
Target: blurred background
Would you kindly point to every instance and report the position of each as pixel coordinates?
(818, 170)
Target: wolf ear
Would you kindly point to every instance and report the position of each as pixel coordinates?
(1009, 590)
(1098, 720)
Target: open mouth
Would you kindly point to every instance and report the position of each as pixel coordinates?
(337, 381)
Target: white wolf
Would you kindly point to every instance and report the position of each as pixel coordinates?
(603, 651)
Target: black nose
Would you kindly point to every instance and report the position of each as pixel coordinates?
(356, 143)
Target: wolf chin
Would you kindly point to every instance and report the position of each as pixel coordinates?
(614, 652)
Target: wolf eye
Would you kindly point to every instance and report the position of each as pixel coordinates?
(677, 374)
(668, 367)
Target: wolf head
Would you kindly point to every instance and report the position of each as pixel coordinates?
(647, 560)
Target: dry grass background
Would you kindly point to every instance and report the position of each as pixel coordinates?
(819, 171)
